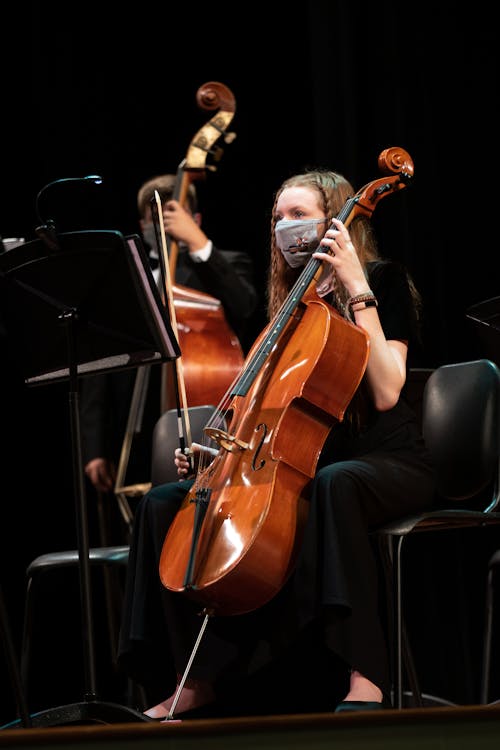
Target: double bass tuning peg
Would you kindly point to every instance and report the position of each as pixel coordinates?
(216, 153)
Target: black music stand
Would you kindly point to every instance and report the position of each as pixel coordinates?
(75, 304)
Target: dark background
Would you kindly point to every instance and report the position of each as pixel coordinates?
(96, 88)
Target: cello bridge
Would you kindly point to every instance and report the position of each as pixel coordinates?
(225, 440)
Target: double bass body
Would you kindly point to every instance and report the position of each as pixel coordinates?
(212, 355)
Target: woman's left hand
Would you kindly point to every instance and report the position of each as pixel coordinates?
(341, 254)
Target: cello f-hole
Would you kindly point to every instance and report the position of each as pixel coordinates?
(262, 427)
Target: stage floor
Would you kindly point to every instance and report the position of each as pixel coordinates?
(440, 728)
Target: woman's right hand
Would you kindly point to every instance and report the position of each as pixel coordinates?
(184, 463)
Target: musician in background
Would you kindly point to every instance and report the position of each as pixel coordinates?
(106, 398)
(322, 631)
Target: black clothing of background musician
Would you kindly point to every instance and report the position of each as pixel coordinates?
(106, 398)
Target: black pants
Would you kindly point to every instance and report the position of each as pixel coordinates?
(331, 602)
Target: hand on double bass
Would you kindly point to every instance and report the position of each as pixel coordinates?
(185, 228)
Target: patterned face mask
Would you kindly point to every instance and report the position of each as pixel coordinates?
(297, 239)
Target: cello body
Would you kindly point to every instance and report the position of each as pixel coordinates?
(248, 544)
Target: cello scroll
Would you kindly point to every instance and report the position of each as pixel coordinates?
(395, 162)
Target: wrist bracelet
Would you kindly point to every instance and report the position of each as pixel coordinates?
(372, 302)
(364, 297)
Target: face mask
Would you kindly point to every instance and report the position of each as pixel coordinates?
(149, 235)
(297, 239)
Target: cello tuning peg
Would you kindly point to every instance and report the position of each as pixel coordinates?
(229, 137)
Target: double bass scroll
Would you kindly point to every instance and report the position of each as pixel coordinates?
(212, 95)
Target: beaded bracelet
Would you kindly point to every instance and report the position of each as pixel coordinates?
(361, 298)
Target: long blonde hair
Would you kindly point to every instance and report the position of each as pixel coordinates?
(333, 191)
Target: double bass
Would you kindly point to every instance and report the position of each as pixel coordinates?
(212, 355)
(234, 540)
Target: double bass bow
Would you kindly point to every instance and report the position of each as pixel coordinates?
(234, 540)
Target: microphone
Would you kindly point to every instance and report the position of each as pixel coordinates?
(95, 178)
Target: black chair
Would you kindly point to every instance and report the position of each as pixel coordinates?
(166, 440)
(461, 426)
(112, 559)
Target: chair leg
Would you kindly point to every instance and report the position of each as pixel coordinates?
(488, 629)
(27, 636)
(402, 662)
(398, 639)
(12, 664)
(28, 632)
(402, 644)
(113, 600)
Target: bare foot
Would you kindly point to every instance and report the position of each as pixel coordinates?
(361, 689)
(194, 694)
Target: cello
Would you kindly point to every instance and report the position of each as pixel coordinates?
(246, 509)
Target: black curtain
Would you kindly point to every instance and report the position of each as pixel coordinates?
(326, 84)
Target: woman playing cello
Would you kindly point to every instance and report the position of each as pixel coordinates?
(373, 468)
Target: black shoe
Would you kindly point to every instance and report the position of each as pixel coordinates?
(360, 706)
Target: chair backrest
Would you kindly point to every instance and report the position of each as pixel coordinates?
(166, 440)
(461, 427)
